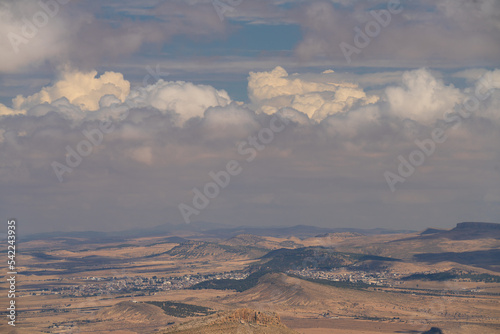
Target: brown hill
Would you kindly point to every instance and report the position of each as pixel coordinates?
(464, 244)
(242, 320)
(134, 312)
(330, 239)
(245, 240)
(290, 295)
(280, 289)
(251, 240)
(201, 249)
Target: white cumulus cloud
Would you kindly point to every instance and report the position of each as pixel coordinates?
(422, 97)
(82, 89)
(316, 98)
(185, 99)
(85, 95)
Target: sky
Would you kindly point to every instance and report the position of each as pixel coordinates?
(336, 113)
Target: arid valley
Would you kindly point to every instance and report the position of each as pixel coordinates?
(292, 280)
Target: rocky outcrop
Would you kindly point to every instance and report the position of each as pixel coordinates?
(241, 320)
(477, 226)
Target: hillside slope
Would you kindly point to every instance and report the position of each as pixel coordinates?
(237, 321)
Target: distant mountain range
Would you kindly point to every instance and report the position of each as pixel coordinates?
(299, 231)
(204, 230)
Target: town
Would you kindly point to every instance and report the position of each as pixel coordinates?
(89, 286)
(138, 285)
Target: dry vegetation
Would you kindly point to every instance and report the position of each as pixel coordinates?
(277, 304)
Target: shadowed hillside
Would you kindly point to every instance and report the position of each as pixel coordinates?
(488, 259)
(318, 258)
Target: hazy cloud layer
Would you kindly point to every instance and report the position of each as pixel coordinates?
(85, 34)
(325, 168)
(414, 33)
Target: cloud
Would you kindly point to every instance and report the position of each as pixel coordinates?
(422, 97)
(343, 131)
(142, 154)
(486, 91)
(276, 89)
(81, 89)
(168, 136)
(185, 99)
(4, 110)
(353, 124)
(30, 35)
(232, 121)
(423, 33)
(83, 34)
(85, 95)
